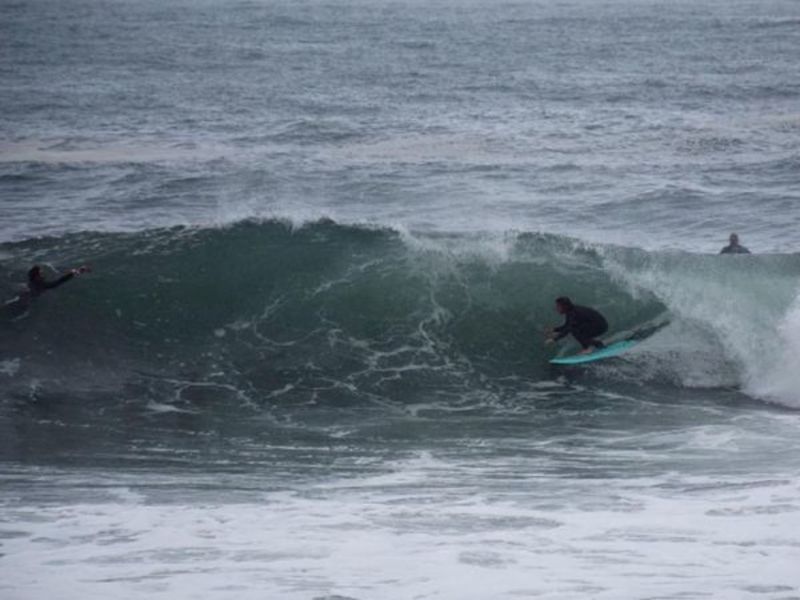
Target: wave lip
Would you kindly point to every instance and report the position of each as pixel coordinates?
(741, 311)
(781, 382)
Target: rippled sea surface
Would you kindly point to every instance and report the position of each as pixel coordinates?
(326, 238)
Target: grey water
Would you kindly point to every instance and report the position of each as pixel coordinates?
(325, 240)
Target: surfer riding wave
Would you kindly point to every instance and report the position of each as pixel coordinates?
(584, 323)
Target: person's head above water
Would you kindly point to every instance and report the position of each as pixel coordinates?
(563, 305)
(734, 247)
(35, 273)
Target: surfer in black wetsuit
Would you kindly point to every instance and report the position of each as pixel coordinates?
(734, 247)
(18, 306)
(38, 285)
(584, 323)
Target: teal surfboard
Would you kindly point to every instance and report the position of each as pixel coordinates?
(609, 351)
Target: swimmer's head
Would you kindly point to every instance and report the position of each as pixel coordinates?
(35, 273)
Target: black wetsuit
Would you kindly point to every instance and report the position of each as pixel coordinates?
(40, 286)
(585, 324)
(734, 249)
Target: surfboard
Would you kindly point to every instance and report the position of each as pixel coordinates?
(609, 351)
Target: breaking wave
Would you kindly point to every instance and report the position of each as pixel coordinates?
(324, 312)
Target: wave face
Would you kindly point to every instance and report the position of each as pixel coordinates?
(326, 313)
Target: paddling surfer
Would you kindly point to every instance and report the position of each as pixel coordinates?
(38, 285)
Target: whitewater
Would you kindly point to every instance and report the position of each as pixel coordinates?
(325, 240)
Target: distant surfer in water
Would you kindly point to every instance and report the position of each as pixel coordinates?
(734, 247)
(38, 285)
(17, 307)
(584, 323)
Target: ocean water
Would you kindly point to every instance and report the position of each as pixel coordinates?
(326, 237)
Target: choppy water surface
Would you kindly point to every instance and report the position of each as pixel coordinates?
(326, 237)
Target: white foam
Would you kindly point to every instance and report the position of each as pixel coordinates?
(782, 382)
(9, 367)
(460, 531)
(729, 316)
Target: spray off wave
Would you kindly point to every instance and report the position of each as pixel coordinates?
(326, 312)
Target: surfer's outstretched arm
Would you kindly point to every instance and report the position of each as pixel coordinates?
(562, 331)
(553, 334)
(38, 284)
(49, 285)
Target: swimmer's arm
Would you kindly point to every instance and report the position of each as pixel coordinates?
(65, 278)
(49, 285)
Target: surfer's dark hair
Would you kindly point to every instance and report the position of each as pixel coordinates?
(565, 302)
(34, 272)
